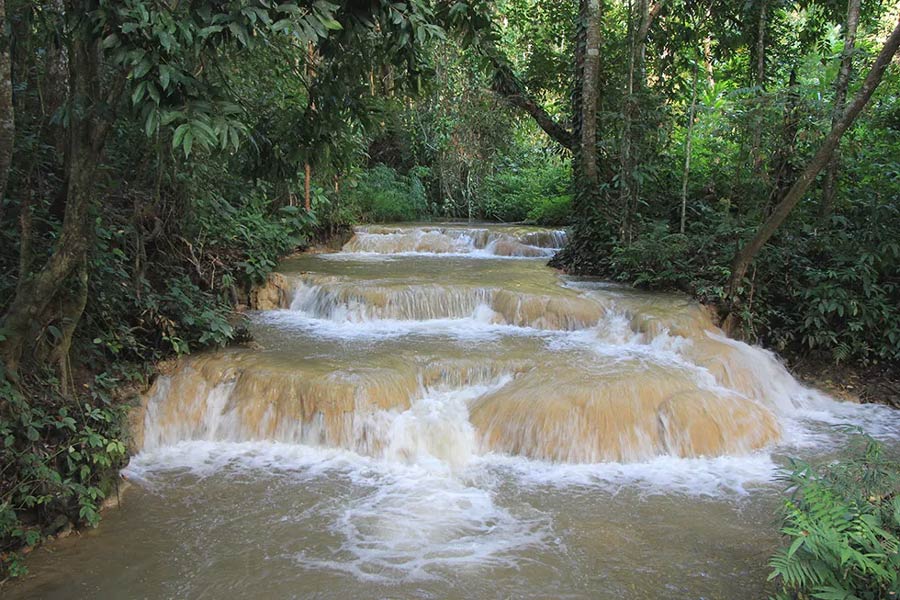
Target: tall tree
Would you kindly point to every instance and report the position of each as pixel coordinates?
(633, 134)
(582, 138)
(7, 116)
(588, 81)
(688, 140)
(840, 97)
(748, 252)
(759, 78)
(163, 57)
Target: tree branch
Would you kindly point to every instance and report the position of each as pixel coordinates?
(508, 86)
(746, 254)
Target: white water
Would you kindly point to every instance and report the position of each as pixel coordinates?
(378, 444)
(431, 480)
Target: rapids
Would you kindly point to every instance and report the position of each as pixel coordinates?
(433, 412)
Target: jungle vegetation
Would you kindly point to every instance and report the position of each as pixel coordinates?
(158, 157)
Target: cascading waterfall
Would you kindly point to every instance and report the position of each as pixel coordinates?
(586, 373)
(432, 412)
(511, 242)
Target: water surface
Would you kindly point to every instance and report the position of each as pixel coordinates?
(434, 413)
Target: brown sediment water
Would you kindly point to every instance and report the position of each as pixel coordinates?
(433, 412)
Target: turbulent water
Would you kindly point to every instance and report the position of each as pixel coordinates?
(433, 412)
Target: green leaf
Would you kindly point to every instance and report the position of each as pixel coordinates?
(188, 142)
(110, 41)
(179, 134)
(834, 593)
(165, 76)
(138, 94)
(330, 23)
(150, 127)
(141, 69)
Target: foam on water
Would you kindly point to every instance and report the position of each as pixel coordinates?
(419, 520)
(721, 476)
(427, 507)
(454, 241)
(407, 520)
(425, 477)
(435, 432)
(417, 525)
(479, 325)
(475, 254)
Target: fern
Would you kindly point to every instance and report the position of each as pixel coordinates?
(842, 525)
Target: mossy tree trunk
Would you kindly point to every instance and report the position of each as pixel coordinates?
(588, 75)
(633, 138)
(44, 296)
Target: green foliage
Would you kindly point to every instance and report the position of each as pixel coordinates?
(850, 300)
(161, 48)
(823, 290)
(552, 211)
(842, 528)
(514, 194)
(59, 462)
(203, 118)
(825, 284)
(383, 195)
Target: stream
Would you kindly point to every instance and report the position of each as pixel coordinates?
(432, 412)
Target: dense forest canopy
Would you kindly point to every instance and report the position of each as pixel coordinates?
(158, 157)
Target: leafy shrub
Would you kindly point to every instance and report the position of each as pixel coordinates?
(227, 234)
(382, 195)
(827, 284)
(842, 523)
(662, 259)
(60, 461)
(512, 194)
(552, 211)
(849, 294)
(831, 290)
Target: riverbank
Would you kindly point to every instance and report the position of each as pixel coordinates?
(867, 385)
(845, 383)
(547, 419)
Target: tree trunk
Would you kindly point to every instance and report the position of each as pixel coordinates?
(307, 181)
(708, 62)
(310, 77)
(784, 173)
(649, 12)
(25, 233)
(587, 142)
(746, 254)
(507, 85)
(69, 315)
(760, 81)
(840, 97)
(687, 148)
(587, 203)
(32, 307)
(625, 166)
(761, 45)
(633, 138)
(34, 295)
(7, 116)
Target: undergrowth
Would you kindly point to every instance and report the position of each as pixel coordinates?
(841, 524)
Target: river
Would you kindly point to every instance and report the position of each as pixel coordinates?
(432, 412)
